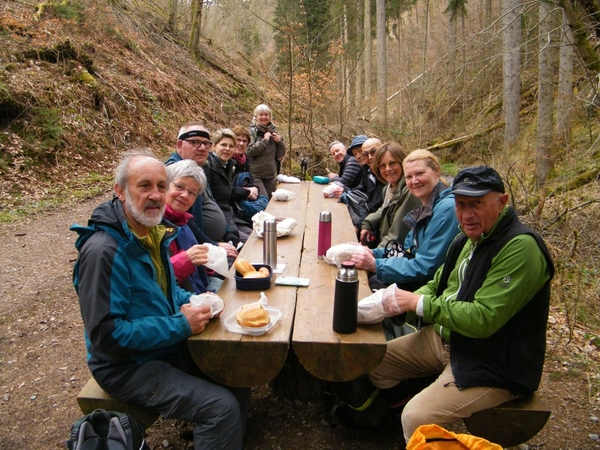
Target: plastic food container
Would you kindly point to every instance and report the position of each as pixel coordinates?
(320, 179)
(232, 325)
(254, 284)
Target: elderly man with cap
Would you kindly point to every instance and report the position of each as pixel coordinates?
(369, 184)
(485, 313)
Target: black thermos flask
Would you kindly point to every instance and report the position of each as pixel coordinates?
(345, 303)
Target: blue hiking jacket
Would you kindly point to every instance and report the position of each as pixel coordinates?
(128, 319)
(428, 240)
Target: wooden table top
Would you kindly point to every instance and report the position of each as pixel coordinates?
(245, 361)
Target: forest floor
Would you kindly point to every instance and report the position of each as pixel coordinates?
(42, 363)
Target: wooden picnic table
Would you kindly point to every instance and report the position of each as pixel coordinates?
(307, 312)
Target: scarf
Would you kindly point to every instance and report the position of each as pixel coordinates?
(239, 159)
(176, 217)
(264, 128)
(423, 211)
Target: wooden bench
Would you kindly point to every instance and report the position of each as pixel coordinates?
(92, 397)
(511, 423)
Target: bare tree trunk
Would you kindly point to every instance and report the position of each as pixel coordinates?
(580, 33)
(345, 60)
(511, 68)
(368, 55)
(452, 51)
(564, 102)
(173, 15)
(381, 65)
(359, 83)
(488, 12)
(196, 26)
(545, 95)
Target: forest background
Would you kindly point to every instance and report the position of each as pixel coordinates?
(507, 83)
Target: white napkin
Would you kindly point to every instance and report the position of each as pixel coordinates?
(217, 259)
(210, 299)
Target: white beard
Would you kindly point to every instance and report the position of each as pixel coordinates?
(143, 217)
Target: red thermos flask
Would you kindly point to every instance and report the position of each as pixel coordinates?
(324, 237)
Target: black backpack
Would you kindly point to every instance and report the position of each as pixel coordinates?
(107, 430)
(358, 404)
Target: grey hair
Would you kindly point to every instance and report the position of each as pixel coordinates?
(336, 143)
(224, 133)
(187, 168)
(122, 170)
(262, 108)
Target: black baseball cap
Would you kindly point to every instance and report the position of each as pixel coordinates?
(477, 181)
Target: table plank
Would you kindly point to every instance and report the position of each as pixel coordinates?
(245, 361)
(324, 353)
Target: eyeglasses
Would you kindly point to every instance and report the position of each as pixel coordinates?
(370, 152)
(197, 143)
(391, 165)
(181, 188)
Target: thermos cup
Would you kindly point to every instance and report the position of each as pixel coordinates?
(345, 303)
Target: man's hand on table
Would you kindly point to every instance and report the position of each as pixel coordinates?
(197, 316)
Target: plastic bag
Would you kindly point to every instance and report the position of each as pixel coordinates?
(213, 300)
(284, 226)
(377, 306)
(217, 259)
(282, 195)
(339, 253)
(287, 179)
(333, 190)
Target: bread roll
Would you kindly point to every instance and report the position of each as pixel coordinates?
(255, 274)
(265, 272)
(243, 266)
(253, 315)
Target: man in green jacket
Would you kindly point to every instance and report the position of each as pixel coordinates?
(486, 311)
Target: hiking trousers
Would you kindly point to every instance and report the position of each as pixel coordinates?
(218, 412)
(424, 354)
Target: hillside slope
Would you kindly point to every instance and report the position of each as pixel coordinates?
(79, 85)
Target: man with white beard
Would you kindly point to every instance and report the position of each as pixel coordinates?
(137, 319)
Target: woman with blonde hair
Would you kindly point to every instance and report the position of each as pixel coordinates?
(266, 150)
(433, 226)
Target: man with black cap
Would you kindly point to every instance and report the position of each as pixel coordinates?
(193, 142)
(486, 311)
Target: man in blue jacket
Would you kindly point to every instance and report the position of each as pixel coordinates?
(137, 319)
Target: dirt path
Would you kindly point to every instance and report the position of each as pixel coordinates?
(42, 363)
